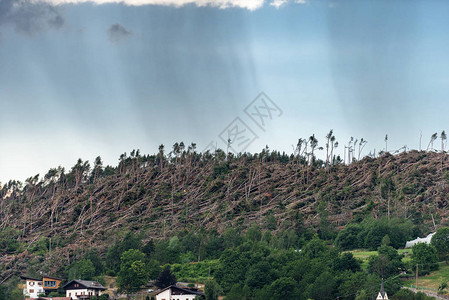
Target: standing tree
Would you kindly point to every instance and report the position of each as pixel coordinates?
(166, 278)
(285, 288)
(354, 149)
(115, 252)
(97, 170)
(329, 136)
(440, 241)
(313, 144)
(350, 149)
(386, 189)
(386, 143)
(361, 146)
(212, 290)
(425, 256)
(443, 137)
(362, 295)
(148, 249)
(133, 271)
(84, 269)
(299, 147)
(161, 156)
(334, 145)
(432, 139)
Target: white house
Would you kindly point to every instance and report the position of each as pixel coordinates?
(426, 240)
(83, 289)
(176, 293)
(32, 287)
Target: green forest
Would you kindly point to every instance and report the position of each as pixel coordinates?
(297, 264)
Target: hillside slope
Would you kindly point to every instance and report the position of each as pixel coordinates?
(157, 195)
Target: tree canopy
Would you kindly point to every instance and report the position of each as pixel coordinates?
(440, 240)
(133, 271)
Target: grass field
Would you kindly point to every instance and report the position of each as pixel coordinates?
(364, 255)
(433, 280)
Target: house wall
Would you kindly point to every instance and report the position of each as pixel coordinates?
(182, 297)
(58, 283)
(33, 289)
(79, 292)
(166, 295)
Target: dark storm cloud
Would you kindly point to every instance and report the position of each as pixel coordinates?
(117, 32)
(29, 18)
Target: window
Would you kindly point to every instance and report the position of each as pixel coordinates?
(31, 291)
(31, 283)
(50, 283)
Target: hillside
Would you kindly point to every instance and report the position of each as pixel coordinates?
(159, 195)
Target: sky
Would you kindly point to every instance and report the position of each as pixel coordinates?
(87, 78)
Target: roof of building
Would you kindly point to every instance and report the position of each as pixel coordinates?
(87, 283)
(51, 277)
(29, 278)
(427, 239)
(382, 292)
(43, 276)
(48, 298)
(190, 292)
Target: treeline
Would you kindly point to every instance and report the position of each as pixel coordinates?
(370, 233)
(317, 271)
(183, 248)
(258, 263)
(249, 265)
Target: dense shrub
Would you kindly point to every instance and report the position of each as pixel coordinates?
(370, 233)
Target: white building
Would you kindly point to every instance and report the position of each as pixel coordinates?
(32, 287)
(83, 289)
(426, 240)
(176, 293)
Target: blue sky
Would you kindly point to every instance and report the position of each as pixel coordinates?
(82, 79)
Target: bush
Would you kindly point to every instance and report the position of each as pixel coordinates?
(440, 240)
(404, 294)
(370, 234)
(8, 240)
(425, 256)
